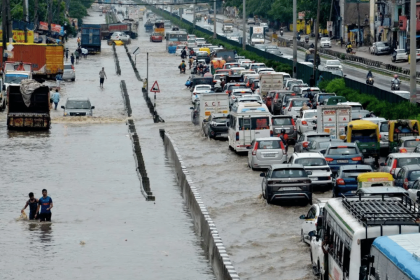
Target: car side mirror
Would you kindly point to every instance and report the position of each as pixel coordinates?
(309, 172)
(191, 108)
(302, 217)
(262, 174)
(62, 107)
(382, 164)
(93, 107)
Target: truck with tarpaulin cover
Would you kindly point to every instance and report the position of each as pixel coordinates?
(91, 37)
(28, 106)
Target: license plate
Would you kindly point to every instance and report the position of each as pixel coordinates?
(342, 161)
(289, 189)
(223, 135)
(269, 155)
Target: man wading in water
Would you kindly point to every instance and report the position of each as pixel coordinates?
(102, 75)
(32, 203)
(46, 204)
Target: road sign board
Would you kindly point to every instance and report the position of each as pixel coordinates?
(136, 50)
(155, 87)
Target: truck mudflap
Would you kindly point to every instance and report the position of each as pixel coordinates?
(28, 121)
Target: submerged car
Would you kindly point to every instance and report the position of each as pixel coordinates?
(215, 126)
(120, 36)
(69, 73)
(266, 152)
(78, 107)
(156, 37)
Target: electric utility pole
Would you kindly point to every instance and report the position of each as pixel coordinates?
(413, 30)
(294, 39)
(316, 39)
(244, 25)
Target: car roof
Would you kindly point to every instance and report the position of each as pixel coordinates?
(403, 155)
(356, 166)
(78, 99)
(309, 111)
(280, 166)
(349, 103)
(310, 133)
(343, 144)
(410, 138)
(308, 154)
(267, 138)
(218, 115)
(412, 167)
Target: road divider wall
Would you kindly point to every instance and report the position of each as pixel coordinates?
(203, 224)
(126, 98)
(152, 107)
(117, 61)
(136, 72)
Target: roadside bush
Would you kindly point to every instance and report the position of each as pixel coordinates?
(382, 108)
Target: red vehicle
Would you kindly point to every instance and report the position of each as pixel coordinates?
(255, 84)
(269, 98)
(156, 37)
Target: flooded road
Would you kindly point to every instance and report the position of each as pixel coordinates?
(102, 227)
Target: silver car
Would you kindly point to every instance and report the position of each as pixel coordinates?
(120, 36)
(266, 152)
(407, 144)
(294, 106)
(78, 107)
(69, 73)
(307, 121)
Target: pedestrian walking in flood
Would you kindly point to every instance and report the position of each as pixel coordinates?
(45, 203)
(33, 205)
(102, 75)
(78, 41)
(58, 79)
(56, 98)
(67, 54)
(76, 54)
(72, 59)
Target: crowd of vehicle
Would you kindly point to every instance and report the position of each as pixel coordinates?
(264, 113)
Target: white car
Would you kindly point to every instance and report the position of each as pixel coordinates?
(294, 105)
(246, 98)
(261, 70)
(355, 106)
(307, 121)
(325, 42)
(333, 65)
(414, 191)
(310, 219)
(399, 54)
(200, 41)
(237, 93)
(69, 73)
(198, 90)
(395, 161)
(321, 176)
(120, 36)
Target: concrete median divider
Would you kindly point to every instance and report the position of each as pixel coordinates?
(152, 108)
(133, 64)
(117, 61)
(126, 97)
(203, 224)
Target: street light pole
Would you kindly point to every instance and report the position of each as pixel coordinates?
(214, 20)
(316, 39)
(413, 30)
(194, 14)
(244, 25)
(294, 38)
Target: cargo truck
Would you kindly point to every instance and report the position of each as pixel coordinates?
(270, 81)
(212, 103)
(15, 72)
(91, 37)
(46, 60)
(333, 119)
(257, 35)
(29, 109)
(227, 25)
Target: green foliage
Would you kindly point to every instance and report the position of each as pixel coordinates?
(382, 108)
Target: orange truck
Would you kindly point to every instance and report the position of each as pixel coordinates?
(47, 60)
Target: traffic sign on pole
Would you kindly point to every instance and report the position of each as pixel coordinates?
(155, 87)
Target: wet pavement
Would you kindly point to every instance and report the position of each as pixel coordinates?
(102, 227)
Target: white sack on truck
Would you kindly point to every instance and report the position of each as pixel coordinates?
(27, 87)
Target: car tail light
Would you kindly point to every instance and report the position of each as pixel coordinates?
(394, 167)
(403, 150)
(237, 136)
(284, 107)
(329, 159)
(305, 144)
(271, 133)
(405, 185)
(304, 123)
(254, 151)
(340, 182)
(293, 123)
(72, 67)
(357, 158)
(194, 93)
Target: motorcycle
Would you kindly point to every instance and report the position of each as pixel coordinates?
(395, 85)
(349, 50)
(369, 81)
(298, 37)
(181, 69)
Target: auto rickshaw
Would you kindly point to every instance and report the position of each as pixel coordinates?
(401, 128)
(205, 50)
(375, 179)
(366, 135)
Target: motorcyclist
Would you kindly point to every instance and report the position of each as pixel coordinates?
(395, 81)
(190, 62)
(349, 47)
(281, 31)
(182, 66)
(183, 53)
(369, 75)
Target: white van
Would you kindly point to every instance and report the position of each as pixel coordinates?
(249, 121)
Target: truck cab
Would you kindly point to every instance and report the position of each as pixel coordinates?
(228, 25)
(14, 73)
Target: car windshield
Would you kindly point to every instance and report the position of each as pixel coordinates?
(236, 87)
(287, 97)
(298, 103)
(342, 150)
(383, 127)
(307, 115)
(238, 93)
(353, 173)
(220, 120)
(289, 173)
(322, 97)
(411, 143)
(325, 39)
(202, 88)
(413, 175)
(321, 145)
(333, 62)
(311, 161)
(269, 144)
(406, 161)
(78, 104)
(315, 137)
(15, 78)
(282, 121)
(357, 108)
(382, 44)
(258, 36)
(67, 66)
